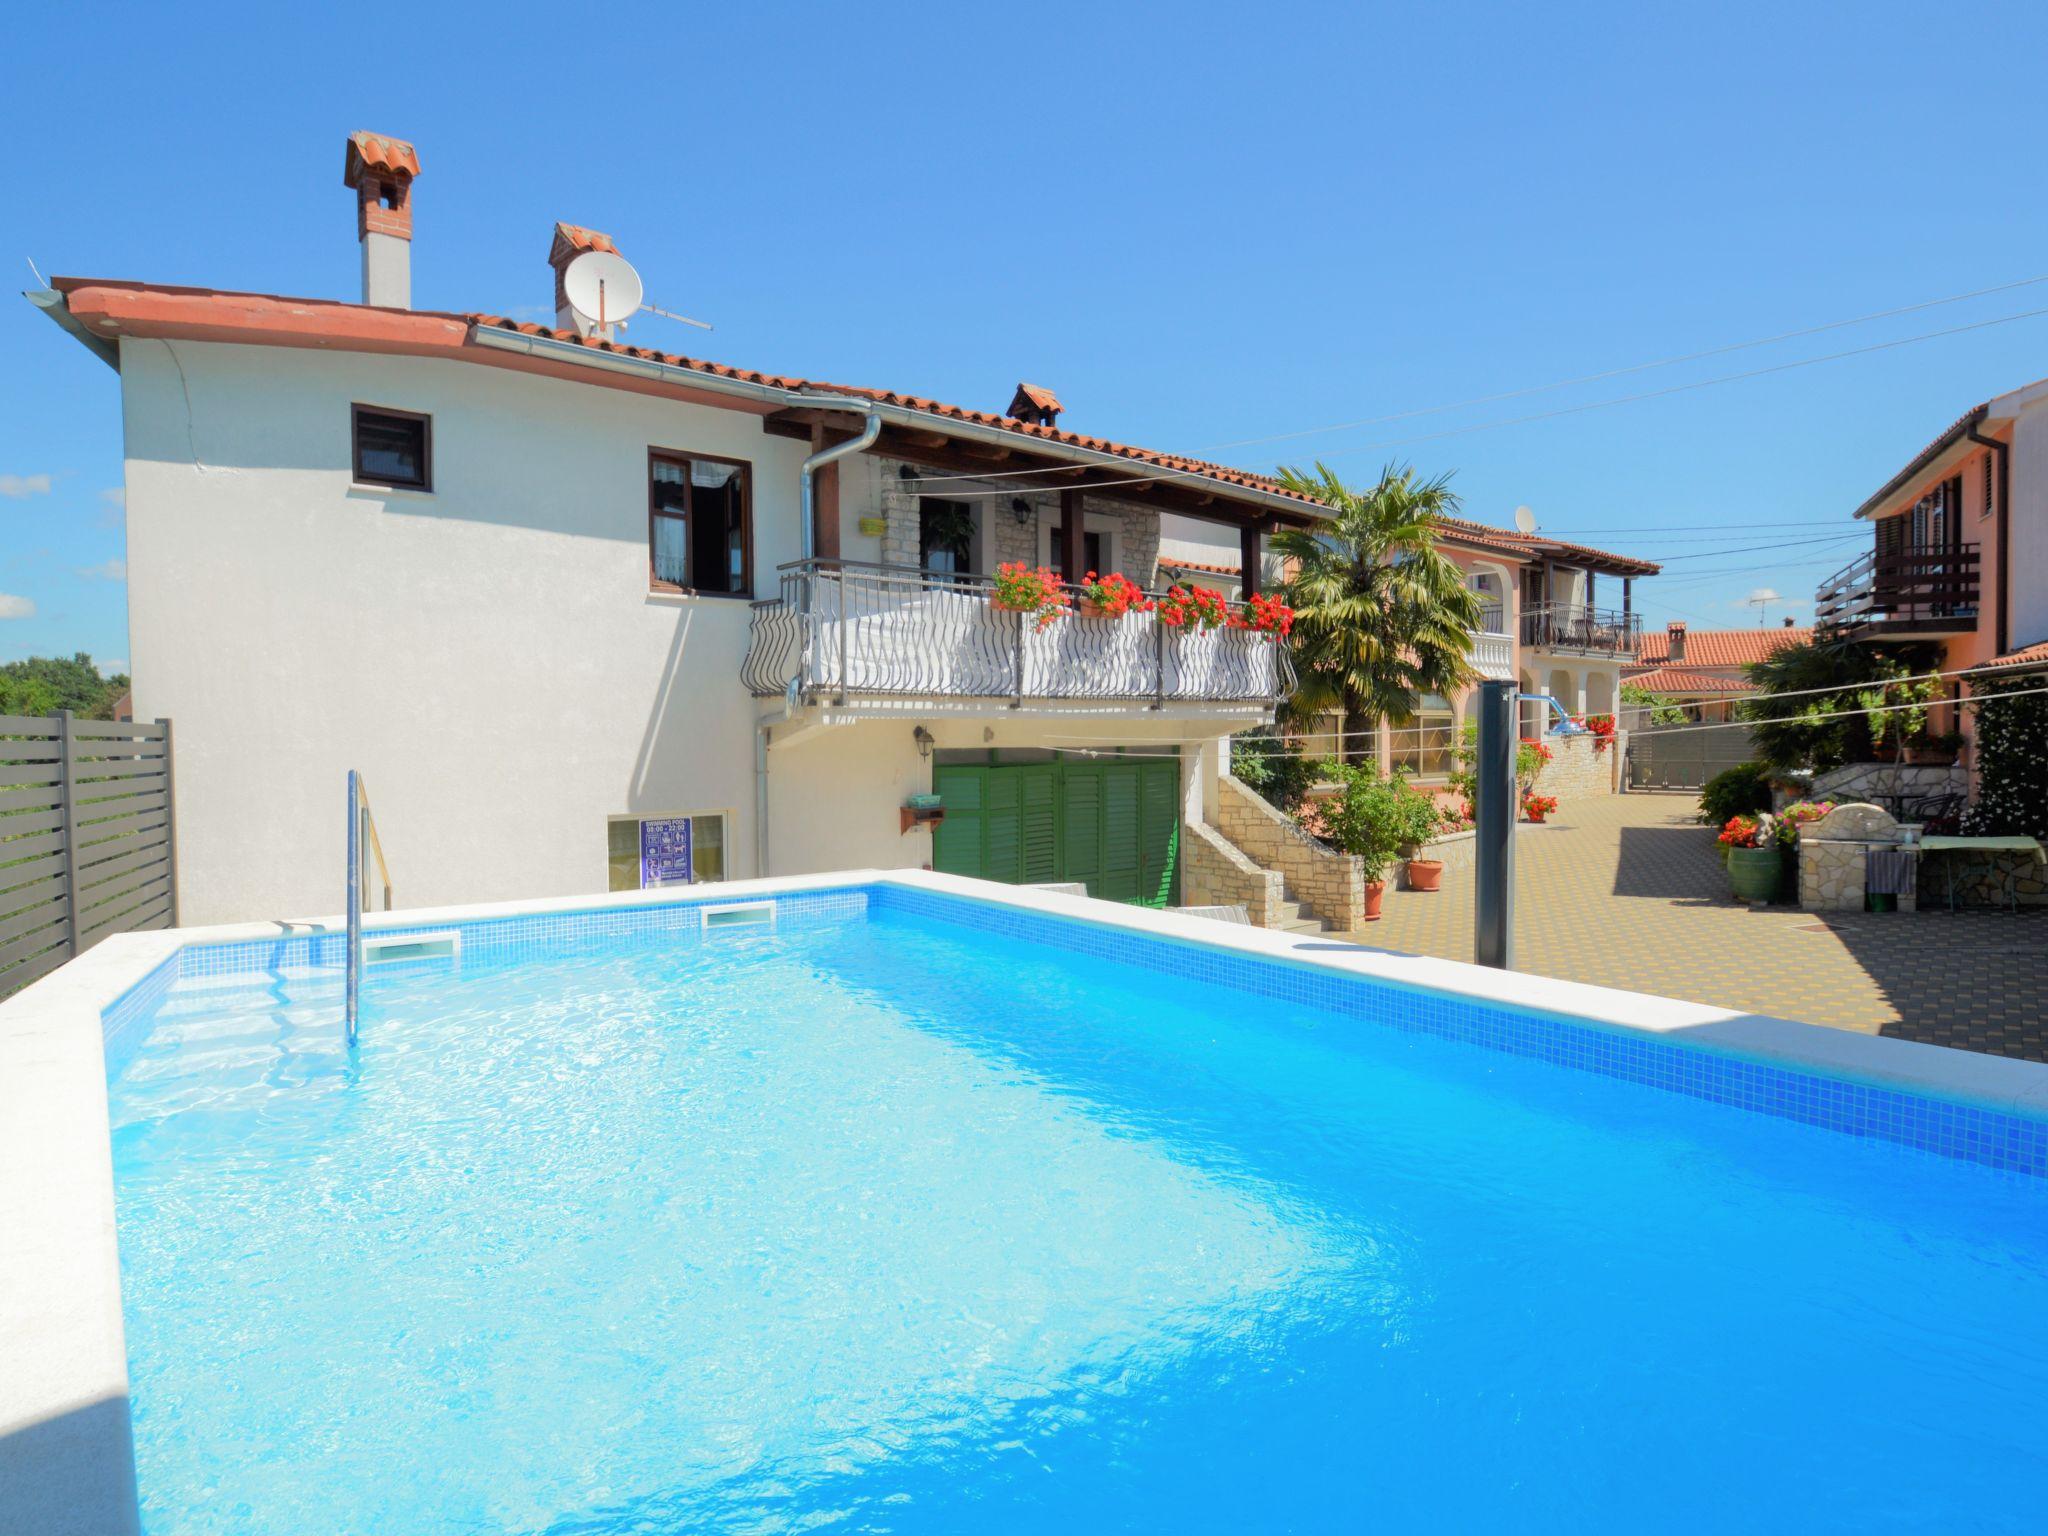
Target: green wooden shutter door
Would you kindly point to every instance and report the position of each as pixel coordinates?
(1038, 822)
(1081, 825)
(1120, 835)
(956, 842)
(1159, 833)
(1002, 843)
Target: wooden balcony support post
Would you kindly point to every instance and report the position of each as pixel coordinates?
(1250, 557)
(1073, 537)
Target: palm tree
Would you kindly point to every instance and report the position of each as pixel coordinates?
(1381, 616)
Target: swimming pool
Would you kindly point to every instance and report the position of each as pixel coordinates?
(916, 1213)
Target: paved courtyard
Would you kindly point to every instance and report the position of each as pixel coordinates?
(1627, 891)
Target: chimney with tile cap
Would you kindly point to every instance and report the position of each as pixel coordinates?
(1674, 643)
(1036, 404)
(381, 169)
(571, 241)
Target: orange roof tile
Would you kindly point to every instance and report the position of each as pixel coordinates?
(378, 152)
(574, 240)
(1719, 647)
(1041, 397)
(1679, 680)
(2023, 660)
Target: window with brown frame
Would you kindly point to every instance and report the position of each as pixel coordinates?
(700, 524)
(393, 448)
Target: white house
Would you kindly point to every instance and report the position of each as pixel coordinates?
(561, 601)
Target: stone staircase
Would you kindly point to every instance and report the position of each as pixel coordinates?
(1294, 915)
(1259, 859)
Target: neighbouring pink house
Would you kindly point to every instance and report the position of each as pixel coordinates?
(1959, 549)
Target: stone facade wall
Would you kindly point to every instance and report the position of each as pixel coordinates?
(1872, 781)
(1213, 873)
(1331, 884)
(1834, 857)
(1983, 879)
(1453, 850)
(1005, 539)
(1578, 770)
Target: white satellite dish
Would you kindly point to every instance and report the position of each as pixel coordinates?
(602, 287)
(1524, 518)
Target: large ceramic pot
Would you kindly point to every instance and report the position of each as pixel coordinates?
(1425, 874)
(1754, 873)
(1375, 894)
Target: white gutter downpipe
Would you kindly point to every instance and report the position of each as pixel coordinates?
(871, 430)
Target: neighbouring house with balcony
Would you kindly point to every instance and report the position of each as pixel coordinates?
(590, 615)
(1958, 551)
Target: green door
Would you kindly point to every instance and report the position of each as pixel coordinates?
(1113, 826)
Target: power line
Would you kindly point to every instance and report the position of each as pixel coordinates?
(1615, 373)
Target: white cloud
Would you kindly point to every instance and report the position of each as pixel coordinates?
(106, 570)
(1764, 595)
(112, 664)
(12, 607)
(115, 496)
(18, 486)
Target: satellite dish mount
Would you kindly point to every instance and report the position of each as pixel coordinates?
(1525, 520)
(605, 291)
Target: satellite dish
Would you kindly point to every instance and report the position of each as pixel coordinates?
(602, 287)
(1524, 518)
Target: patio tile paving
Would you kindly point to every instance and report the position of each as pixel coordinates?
(1626, 891)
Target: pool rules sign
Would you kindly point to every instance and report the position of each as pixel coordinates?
(665, 852)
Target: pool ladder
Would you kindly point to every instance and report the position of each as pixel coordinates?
(362, 828)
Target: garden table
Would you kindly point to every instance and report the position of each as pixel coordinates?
(1991, 845)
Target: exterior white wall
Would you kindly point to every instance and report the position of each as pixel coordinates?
(2026, 561)
(488, 654)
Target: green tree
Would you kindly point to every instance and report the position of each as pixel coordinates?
(1826, 702)
(1381, 615)
(1661, 713)
(42, 684)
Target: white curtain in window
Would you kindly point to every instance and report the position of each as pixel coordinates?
(711, 477)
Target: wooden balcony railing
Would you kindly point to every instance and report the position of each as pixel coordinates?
(844, 628)
(1574, 627)
(1903, 591)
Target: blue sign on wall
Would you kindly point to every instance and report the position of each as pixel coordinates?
(665, 852)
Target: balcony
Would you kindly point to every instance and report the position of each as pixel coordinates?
(1493, 649)
(847, 630)
(1925, 593)
(1580, 630)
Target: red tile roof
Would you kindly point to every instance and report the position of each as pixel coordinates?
(378, 152)
(1168, 461)
(1719, 647)
(1677, 680)
(1531, 546)
(2023, 660)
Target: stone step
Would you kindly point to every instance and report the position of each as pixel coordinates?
(1301, 925)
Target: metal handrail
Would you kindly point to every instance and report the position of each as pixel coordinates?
(1567, 626)
(843, 627)
(361, 825)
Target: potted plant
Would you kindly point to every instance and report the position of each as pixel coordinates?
(1268, 615)
(1538, 807)
(1601, 728)
(1419, 820)
(1020, 589)
(1756, 864)
(1790, 820)
(1365, 820)
(1111, 596)
(1193, 608)
(1935, 749)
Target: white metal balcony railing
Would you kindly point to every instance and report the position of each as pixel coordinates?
(844, 628)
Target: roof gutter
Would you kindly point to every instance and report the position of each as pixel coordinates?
(1924, 459)
(2003, 522)
(51, 303)
(578, 354)
(870, 430)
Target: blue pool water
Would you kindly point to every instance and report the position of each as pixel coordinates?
(890, 1225)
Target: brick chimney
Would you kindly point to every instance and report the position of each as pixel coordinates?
(1674, 643)
(571, 241)
(1036, 404)
(381, 169)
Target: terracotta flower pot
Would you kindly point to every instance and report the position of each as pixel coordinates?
(1538, 815)
(1425, 874)
(1375, 893)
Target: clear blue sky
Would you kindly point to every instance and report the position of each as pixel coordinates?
(1198, 223)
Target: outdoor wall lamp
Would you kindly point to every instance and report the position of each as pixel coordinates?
(924, 740)
(1020, 509)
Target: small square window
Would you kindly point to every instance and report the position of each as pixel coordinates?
(392, 448)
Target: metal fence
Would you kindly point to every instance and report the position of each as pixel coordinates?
(87, 844)
(1664, 758)
(845, 627)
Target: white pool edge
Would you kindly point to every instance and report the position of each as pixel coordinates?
(66, 1453)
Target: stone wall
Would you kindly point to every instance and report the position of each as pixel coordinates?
(1834, 857)
(1453, 850)
(1213, 873)
(1982, 879)
(1876, 781)
(1578, 770)
(1006, 540)
(1331, 884)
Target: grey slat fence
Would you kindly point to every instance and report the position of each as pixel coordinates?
(88, 846)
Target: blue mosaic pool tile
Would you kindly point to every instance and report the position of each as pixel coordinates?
(2014, 1143)
(125, 1022)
